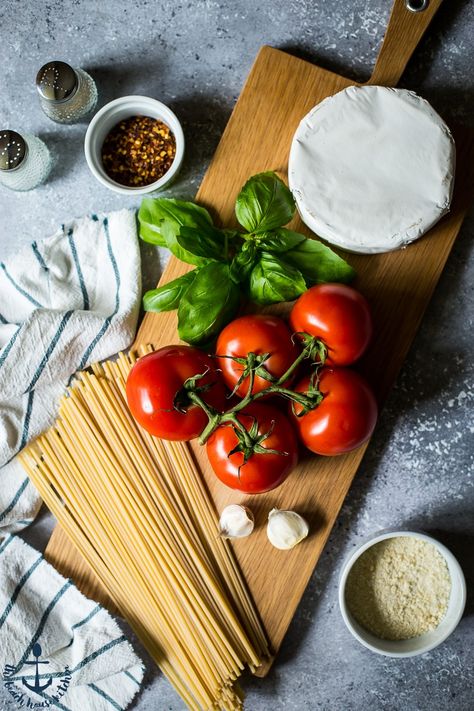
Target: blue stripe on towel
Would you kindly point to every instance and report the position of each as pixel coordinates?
(15, 499)
(114, 264)
(105, 696)
(100, 651)
(50, 349)
(41, 625)
(107, 321)
(94, 612)
(7, 348)
(72, 244)
(87, 619)
(19, 288)
(130, 676)
(26, 421)
(6, 543)
(18, 590)
(39, 257)
(97, 338)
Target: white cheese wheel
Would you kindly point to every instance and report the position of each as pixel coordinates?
(372, 168)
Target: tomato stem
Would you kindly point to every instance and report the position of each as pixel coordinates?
(313, 348)
(287, 375)
(306, 401)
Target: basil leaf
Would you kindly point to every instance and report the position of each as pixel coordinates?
(149, 227)
(170, 234)
(280, 240)
(264, 203)
(160, 220)
(168, 296)
(243, 261)
(207, 242)
(208, 305)
(272, 281)
(318, 263)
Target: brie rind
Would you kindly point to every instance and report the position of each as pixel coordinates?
(372, 168)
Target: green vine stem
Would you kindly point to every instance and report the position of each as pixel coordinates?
(313, 347)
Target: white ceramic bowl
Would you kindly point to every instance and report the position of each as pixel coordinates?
(108, 117)
(425, 642)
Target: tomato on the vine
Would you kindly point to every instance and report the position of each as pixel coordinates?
(259, 334)
(344, 419)
(262, 471)
(339, 316)
(157, 396)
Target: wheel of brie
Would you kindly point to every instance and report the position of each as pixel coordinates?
(372, 168)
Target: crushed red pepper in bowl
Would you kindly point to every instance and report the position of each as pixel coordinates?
(138, 151)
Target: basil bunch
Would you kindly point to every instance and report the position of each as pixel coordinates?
(268, 263)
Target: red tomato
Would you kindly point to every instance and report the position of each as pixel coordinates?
(262, 472)
(339, 316)
(258, 333)
(345, 417)
(157, 378)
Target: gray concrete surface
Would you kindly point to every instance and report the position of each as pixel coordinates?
(418, 470)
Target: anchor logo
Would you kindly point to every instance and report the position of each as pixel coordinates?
(58, 681)
(37, 686)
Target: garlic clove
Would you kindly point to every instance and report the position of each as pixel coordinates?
(236, 521)
(285, 529)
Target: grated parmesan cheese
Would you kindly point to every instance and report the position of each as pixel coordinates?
(399, 588)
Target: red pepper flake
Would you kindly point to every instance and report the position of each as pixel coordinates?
(138, 151)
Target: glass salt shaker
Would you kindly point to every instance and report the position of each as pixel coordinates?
(66, 94)
(25, 161)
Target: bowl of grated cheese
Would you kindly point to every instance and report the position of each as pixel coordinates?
(402, 593)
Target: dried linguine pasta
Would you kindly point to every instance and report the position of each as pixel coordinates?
(138, 511)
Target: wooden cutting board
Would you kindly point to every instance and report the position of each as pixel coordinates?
(279, 91)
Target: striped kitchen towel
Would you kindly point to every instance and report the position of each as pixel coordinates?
(64, 303)
(58, 649)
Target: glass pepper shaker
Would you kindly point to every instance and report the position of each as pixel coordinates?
(25, 161)
(66, 94)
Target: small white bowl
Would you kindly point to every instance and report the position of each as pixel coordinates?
(108, 117)
(425, 642)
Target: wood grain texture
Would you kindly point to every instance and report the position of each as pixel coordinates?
(404, 31)
(279, 91)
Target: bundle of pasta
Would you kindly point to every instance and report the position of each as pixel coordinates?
(138, 511)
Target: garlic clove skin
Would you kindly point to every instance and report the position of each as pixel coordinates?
(285, 529)
(236, 522)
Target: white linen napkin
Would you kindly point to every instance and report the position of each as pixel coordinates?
(64, 303)
(57, 648)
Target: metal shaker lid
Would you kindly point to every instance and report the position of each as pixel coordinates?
(56, 81)
(13, 149)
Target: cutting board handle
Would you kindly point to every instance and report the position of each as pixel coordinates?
(406, 26)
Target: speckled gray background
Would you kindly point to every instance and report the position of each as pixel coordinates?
(418, 470)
